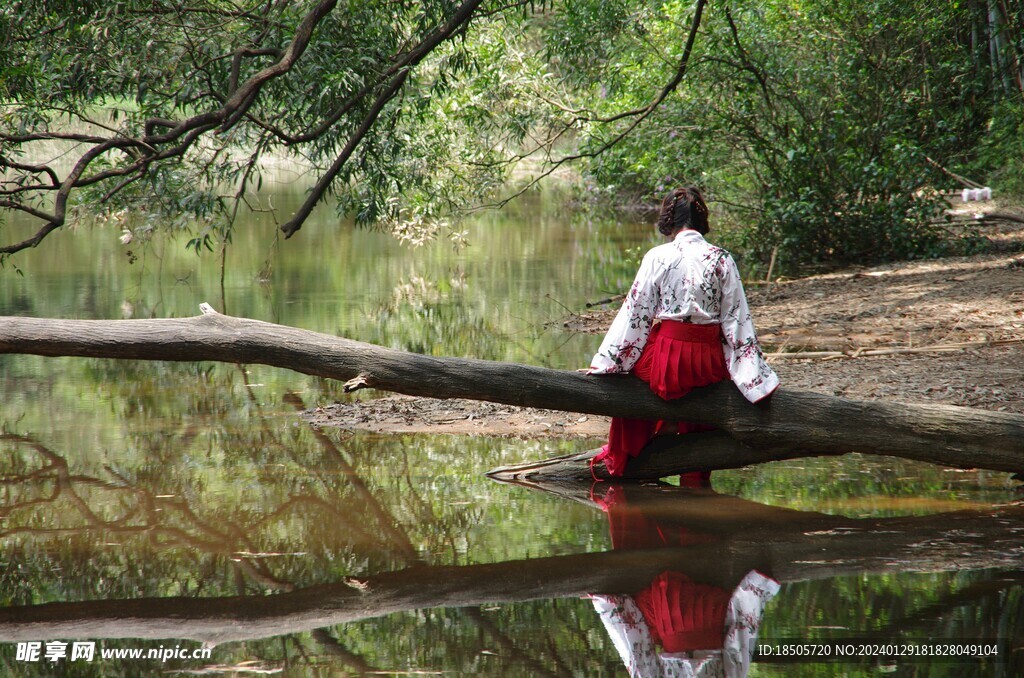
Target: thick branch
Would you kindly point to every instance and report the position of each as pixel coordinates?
(795, 421)
(184, 133)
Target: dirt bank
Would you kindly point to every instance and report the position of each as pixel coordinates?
(954, 329)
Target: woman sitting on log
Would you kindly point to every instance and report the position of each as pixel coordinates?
(685, 323)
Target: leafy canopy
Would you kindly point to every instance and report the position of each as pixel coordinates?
(819, 127)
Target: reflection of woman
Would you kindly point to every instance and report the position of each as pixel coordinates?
(689, 646)
(685, 323)
(676, 626)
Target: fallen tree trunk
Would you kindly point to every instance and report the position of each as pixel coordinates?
(797, 423)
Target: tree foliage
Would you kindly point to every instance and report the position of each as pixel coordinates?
(822, 125)
(160, 106)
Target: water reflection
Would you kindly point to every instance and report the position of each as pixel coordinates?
(701, 613)
(331, 564)
(523, 267)
(675, 625)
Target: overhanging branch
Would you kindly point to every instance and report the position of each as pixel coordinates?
(638, 114)
(182, 134)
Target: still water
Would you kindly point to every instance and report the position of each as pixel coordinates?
(184, 507)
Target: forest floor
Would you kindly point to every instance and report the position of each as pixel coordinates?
(947, 331)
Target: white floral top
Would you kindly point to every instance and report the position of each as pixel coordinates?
(689, 280)
(632, 638)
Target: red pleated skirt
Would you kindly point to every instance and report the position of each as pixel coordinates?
(684, 615)
(677, 358)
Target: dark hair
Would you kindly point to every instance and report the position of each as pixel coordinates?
(683, 208)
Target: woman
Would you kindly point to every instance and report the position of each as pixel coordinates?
(685, 323)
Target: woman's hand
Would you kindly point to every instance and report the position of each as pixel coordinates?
(765, 402)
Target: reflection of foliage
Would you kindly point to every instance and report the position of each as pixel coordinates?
(309, 498)
(861, 486)
(142, 531)
(202, 491)
(971, 607)
(424, 315)
(245, 478)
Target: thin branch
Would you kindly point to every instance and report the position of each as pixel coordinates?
(458, 20)
(640, 114)
(672, 84)
(387, 522)
(747, 64)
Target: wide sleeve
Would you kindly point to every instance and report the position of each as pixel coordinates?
(629, 633)
(749, 370)
(743, 621)
(628, 334)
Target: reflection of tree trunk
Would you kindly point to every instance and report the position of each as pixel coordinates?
(796, 423)
(790, 545)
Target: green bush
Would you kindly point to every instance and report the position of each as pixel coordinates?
(819, 126)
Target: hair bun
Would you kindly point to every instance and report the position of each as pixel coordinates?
(683, 208)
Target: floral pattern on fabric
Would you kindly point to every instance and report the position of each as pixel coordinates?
(689, 280)
(633, 640)
(743, 621)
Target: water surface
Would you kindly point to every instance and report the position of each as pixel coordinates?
(160, 505)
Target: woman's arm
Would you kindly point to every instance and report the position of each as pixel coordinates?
(628, 334)
(750, 372)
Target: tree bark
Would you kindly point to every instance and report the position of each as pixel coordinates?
(663, 456)
(789, 545)
(796, 423)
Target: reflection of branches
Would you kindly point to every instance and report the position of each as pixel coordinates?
(384, 518)
(512, 654)
(149, 515)
(141, 512)
(447, 533)
(325, 509)
(333, 647)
